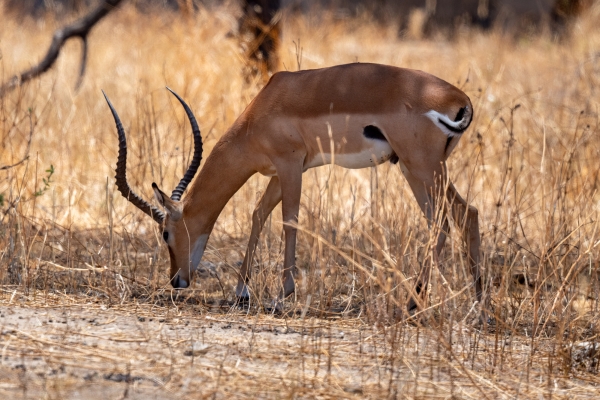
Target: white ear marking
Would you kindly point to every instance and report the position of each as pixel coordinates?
(158, 195)
(171, 207)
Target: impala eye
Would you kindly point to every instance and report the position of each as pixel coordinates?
(166, 236)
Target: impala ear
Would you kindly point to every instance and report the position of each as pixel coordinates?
(173, 208)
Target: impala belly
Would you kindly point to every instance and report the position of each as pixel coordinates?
(374, 149)
(375, 152)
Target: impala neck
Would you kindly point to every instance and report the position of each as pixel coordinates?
(226, 169)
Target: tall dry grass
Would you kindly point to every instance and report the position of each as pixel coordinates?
(528, 163)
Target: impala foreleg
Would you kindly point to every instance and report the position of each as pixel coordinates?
(291, 187)
(265, 206)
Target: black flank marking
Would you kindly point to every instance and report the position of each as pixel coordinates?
(373, 132)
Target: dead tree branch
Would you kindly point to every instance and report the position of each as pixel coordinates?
(26, 157)
(80, 29)
(15, 164)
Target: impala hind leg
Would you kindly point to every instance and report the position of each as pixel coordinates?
(464, 216)
(422, 190)
(270, 198)
(425, 274)
(467, 217)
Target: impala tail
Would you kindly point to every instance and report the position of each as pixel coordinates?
(452, 127)
(463, 118)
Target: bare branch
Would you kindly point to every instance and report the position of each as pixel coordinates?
(79, 28)
(83, 62)
(26, 157)
(15, 164)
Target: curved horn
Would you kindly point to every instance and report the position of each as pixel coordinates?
(195, 164)
(121, 176)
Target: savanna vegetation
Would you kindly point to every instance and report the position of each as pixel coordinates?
(86, 309)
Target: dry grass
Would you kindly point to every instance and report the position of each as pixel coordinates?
(78, 252)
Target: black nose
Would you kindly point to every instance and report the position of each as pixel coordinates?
(175, 282)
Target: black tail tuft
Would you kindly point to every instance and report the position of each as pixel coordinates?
(461, 114)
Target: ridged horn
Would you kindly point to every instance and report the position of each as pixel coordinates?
(121, 170)
(195, 164)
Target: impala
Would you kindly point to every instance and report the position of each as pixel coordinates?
(369, 113)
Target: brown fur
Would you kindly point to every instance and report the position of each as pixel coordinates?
(284, 130)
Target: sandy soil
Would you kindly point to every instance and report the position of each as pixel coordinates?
(91, 351)
(94, 352)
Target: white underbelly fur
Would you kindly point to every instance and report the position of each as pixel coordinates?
(379, 152)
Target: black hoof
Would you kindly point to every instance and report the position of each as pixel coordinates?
(276, 307)
(489, 322)
(242, 301)
(274, 311)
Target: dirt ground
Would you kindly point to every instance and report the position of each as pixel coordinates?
(97, 352)
(94, 352)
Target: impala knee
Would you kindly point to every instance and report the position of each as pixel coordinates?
(289, 227)
(473, 212)
(257, 217)
(472, 218)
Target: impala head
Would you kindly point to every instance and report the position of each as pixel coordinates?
(185, 256)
